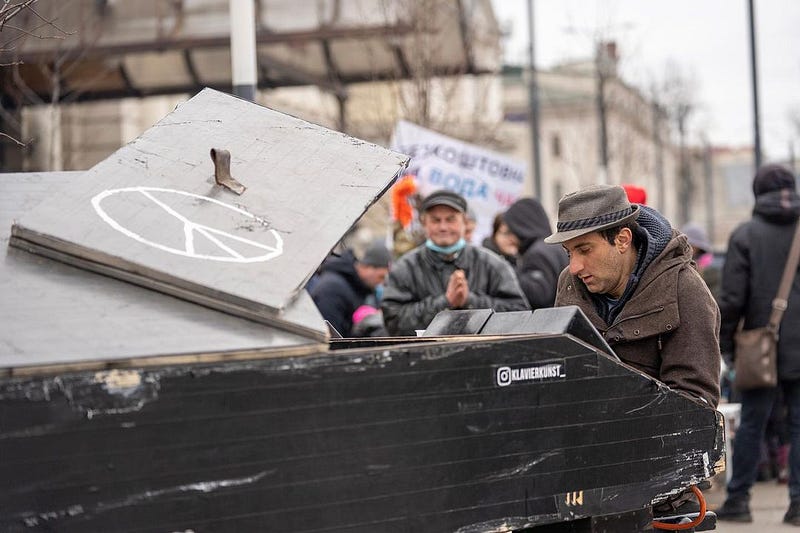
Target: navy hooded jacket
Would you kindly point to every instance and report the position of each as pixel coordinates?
(339, 291)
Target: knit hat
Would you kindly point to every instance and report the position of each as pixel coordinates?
(636, 194)
(592, 208)
(444, 197)
(377, 255)
(696, 236)
(772, 178)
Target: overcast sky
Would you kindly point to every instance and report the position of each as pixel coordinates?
(708, 39)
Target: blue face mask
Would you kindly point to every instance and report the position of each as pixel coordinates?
(448, 250)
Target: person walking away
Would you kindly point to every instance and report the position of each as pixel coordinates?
(539, 264)
(345, 282)
(445, 272)
(754, 263)
(633, 277)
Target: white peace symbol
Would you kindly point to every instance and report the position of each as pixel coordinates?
(189, 228)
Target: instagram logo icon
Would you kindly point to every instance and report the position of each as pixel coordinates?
(503, 376)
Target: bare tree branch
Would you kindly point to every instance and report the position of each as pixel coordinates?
(18, 143)
(31, 22)
(51, 23)
(9, 11)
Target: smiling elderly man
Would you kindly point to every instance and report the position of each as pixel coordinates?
(446, 272)
(633, 277)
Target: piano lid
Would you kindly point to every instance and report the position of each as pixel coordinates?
(57, 317)
(154, 214)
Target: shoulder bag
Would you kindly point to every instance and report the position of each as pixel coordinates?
(756, 350)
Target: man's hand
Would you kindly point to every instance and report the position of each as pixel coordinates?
(457, 290)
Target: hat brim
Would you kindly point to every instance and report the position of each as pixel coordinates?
(564, 236)
(445, 202)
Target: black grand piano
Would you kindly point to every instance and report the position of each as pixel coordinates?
(162, 369)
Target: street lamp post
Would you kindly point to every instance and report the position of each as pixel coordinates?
(243, 48)
(604, 67)
(754, 67)
(533, 95)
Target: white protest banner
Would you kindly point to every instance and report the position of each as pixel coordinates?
(490, 181)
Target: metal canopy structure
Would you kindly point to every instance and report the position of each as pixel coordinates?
(153, 213)
(109, 49)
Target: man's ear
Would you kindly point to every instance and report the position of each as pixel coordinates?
(624, 239)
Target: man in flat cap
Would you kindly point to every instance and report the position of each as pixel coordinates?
(632, 275)
(445, 272)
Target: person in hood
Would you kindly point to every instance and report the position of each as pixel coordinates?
(344, 283)
(539, 264)
(633, 276)
(754, 263)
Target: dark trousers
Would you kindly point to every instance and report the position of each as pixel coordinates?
(756, 407)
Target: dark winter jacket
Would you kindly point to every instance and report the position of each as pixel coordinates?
(417, 282)
(757, 253)
(668, 325)
(539, 264)
(338, 291)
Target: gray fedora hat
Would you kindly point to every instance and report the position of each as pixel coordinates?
(592, 208)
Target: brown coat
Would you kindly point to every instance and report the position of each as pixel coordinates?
(668, 329)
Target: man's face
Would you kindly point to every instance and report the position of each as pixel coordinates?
(372, 276)
(600, 265)
(443, 225)
(506, 241)
(469, 229)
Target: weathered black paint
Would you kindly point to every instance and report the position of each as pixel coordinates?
(405, 438)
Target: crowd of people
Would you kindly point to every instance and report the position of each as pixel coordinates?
(653, 291)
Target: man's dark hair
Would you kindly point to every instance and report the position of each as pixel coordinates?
(611, 233)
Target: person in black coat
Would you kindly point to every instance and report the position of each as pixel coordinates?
(756, 256)
(345, 282)
(539, 264)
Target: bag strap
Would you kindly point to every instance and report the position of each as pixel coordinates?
(781, 301)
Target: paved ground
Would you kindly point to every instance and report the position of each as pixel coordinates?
(768, 503)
